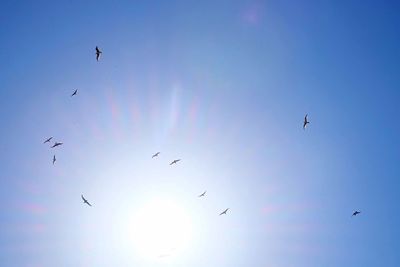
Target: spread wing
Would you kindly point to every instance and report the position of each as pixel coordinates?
(224, 212)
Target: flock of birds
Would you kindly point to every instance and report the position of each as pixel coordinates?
(85, 201)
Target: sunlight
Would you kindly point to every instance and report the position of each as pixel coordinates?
(161, 228)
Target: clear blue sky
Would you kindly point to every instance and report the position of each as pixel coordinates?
(223, 85)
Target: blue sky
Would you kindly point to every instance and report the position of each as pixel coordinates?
(223, 85)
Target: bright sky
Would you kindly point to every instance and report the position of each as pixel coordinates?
(224, 86)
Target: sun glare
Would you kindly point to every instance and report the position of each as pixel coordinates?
(161, 228)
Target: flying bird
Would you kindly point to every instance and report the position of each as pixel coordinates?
(74, 93)
(57, 144)
(85, 201)
(155, 155)
(98, 52)
(54, 159)
(224, 212)
(202, 195)
(167, 254)
(305, 122)
(175, 161)
(356, 213)
(164, 255)
(48, 140)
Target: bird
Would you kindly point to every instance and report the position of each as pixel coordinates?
(56, 144)
(175, 161)
(356, 213)
(224, 212)
(98, 52)
(54, 159)
(85, 201)
(74, 93)
(305, 122)
(155, 155)
(164, 255)
(47, 140)
(203, 194)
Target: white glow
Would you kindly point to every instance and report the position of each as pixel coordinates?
(160, 228)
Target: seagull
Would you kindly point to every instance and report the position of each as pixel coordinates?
(167, 254)
(48, 140)
(74, 93)
(175, 161)
(155, 155)
(356, 213)
(56, 144)
(54, 159)
(305, 122)
(164, 255)
(98, 52)
(204, 193)
(85, 201)
(224, 212)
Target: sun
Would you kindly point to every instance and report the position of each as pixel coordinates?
(160, 228)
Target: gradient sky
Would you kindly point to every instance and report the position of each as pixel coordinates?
(223, 85)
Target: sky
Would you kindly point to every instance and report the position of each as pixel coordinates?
(224, 86)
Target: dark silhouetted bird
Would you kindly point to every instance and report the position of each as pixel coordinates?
(98, 53)
(85, 201)
(47, 140)
(155, 155)
(57, 144)
(203, 194)
(224, 212)
(356, 213)
(175, 161)
(74, 93)
(305, 122)
(54, 159)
